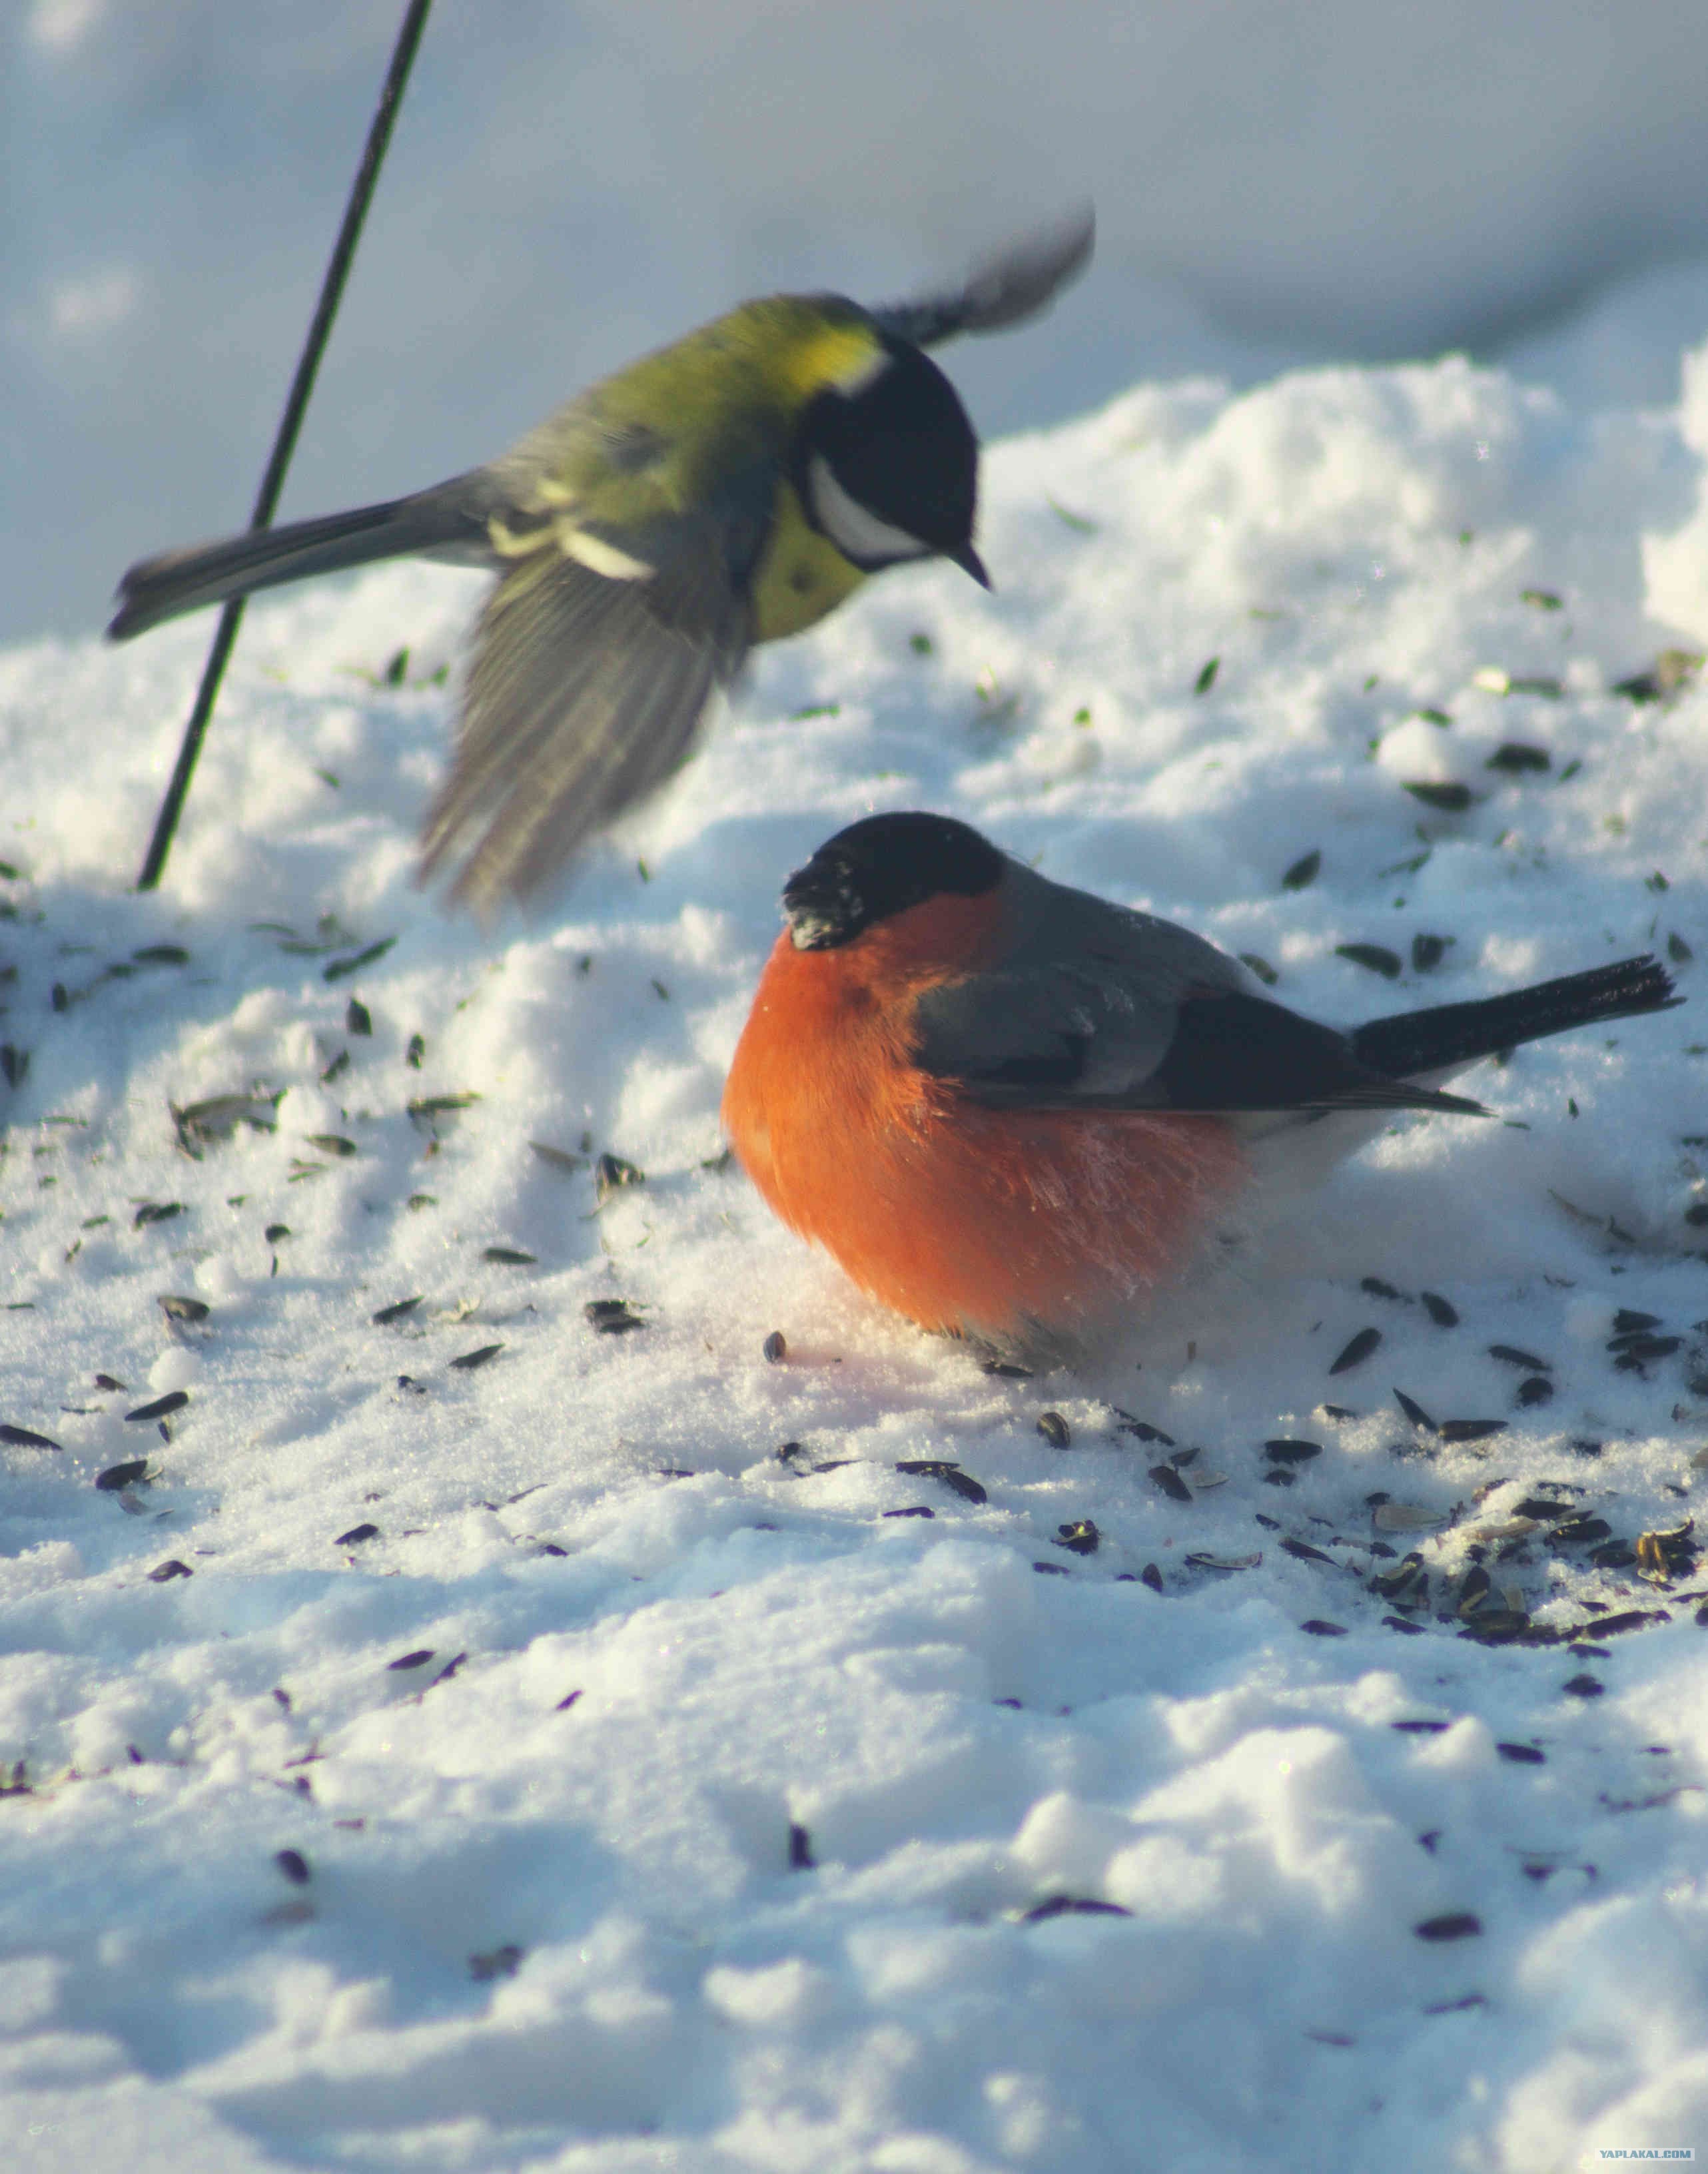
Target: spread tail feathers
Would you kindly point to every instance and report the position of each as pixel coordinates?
(1451, 1034)
(160, 588)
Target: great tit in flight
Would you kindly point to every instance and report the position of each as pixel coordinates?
(728, 490)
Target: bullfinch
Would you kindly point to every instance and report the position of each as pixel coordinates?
(1012, 1110)
(729, 489)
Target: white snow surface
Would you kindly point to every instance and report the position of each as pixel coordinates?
(540, 1738)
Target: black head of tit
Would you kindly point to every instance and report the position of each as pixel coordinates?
(888, 468)
(728, 490)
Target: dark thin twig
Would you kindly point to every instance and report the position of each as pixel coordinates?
(289, 423)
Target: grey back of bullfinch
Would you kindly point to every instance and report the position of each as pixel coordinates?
(729, 489)
(1012, 1110)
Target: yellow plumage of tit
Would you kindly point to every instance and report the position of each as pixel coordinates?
(729, 489)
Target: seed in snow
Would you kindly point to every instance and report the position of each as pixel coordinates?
(1584, 1687)
(1319, 1629)
(1080, 1537)
(1356, 1350)
(1142, 1429)
(1305, 1553)
(612, 1174)
(1414, 1412)
(1072, 1906)
(1407, 1517)
(1439, 1311)
(1283, 1452)
(496, 1963)
(917, 1510)
(1049, 1570)
(395, 1311)
(509, 1257)
(417, 1659)
(1628, 1319)
(1374, 1287)
(612, 1316)
(1005, 1371)
(174, 1401)
(1165, 1477)
(190, 1310)
(1470, 1430)
(294, 1865)
(1054, 1429)
(356, 1535)
(478, 1357)
(1451, 1925)
(1375, 958)
(163, 1573)
(1200, 1560)
(933, 1467)
(25, 1438)
(1522, 1755)
(1399, 1623)
(1421, 1727)
(1510, 1355)
(776, 1348)
(1152, 1576)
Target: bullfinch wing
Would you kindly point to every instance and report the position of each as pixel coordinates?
(1097, 1009)
(1005, 289)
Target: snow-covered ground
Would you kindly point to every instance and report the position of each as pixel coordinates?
(624, 1753)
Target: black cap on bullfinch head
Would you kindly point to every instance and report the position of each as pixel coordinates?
(1013, 1110)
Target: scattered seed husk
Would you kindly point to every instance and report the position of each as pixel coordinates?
(1628, 1320)
(1414, 1412)
(187, 1310)
(1261, 967)
(1515, 757)
(1428, 952)
(294, 1865)
(1049, 1570)
(1451, 1925)
(469, 1360)
(508, 1257)
(1207, 676)
(1318, 1628)
(1152, 1576)
(1304, 871)
(396, 1311)
(1408, 1517)
(776, 1348)
(356, 1536)
(1628, 1619)
(933, 1467)
(1672, 669)
(1399, 1623)
(1080, 1537)
(1509, 1355)
(1284, 1451)
(1200, 1559)
(612, 1316)
(496, 1963)
(1142, 1429)
(1071, 1905)
(1356, 1350)
(1421, 1727)
(1055, 1430)
(131, 1473)
(1439, 1311)
(18, 1437)
(916, 1510)
(1578, 1530)
(1407, 1579)
(1583, 1687)
(1452, 799)
(1470, 1430)
(163, 1573)
(1165, 1477)
(417, 1659)
(156, 1211)
(558, 1157)
(612, 1174)
(358, 1018)
(174, 1401)
(1475, 1590)
(1537, 1390)
(1005, 1371)
(340, 969)
(1375, 958)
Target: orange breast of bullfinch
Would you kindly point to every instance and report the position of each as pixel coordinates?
(1018, 1229)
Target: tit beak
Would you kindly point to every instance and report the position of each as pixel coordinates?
(969, 562)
